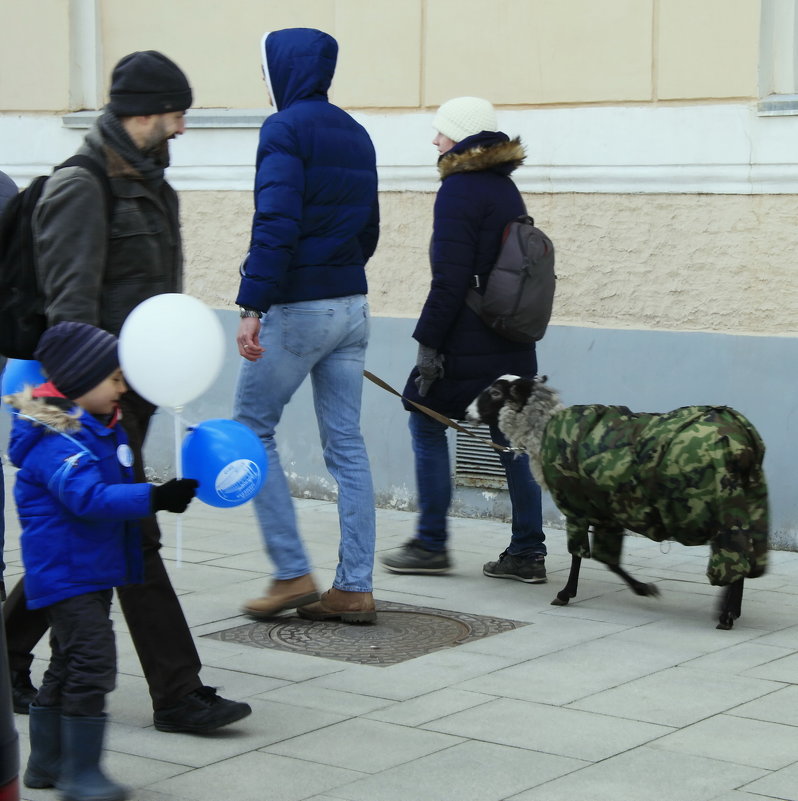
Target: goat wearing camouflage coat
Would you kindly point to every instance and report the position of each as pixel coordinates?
(693, 475)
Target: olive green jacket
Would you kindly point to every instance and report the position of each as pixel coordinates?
(93, 272)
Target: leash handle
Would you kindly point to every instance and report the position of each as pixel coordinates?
(441, 418)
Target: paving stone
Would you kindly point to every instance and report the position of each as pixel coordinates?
(646, 774)
(612, 698)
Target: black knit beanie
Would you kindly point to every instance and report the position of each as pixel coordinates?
(147, 82)
(77, 357)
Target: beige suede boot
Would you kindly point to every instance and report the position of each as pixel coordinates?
(283, 594)
(348, 607)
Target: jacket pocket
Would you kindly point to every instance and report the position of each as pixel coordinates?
(132, 222)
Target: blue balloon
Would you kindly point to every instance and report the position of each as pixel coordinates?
(18, 374)
(227, 459)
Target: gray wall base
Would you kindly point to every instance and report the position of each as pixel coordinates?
(645, 370)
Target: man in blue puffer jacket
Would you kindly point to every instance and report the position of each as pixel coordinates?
(304, 311)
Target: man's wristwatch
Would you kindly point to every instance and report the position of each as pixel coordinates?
(248, 312)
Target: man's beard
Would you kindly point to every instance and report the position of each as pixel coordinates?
(157, 144)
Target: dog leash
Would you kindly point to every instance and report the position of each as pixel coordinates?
(441, 418)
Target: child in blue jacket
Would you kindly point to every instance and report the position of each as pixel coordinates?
(78, 507)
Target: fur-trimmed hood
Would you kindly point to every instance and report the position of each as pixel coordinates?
(478, 153)
(39, 414)
(45, 410)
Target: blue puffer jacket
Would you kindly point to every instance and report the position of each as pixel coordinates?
(75, 499)
(476, 200)
(316, 219)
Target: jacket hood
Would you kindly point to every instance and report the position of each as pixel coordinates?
(483, 151)
(298, 64)
(39, 412)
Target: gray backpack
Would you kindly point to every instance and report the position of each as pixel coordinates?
(519, 295)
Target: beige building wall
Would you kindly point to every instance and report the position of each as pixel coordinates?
(512, 51)
(694, 262)
(673, 261)
(406, 54)
(45, 84)
(707, 49)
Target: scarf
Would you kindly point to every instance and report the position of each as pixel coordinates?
(150, 164)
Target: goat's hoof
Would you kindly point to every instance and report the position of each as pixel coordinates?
(560, 600)
(646, 590)
(726, 619)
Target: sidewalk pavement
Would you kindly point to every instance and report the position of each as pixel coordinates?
(613, 697)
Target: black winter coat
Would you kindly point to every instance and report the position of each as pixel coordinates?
(476, 200)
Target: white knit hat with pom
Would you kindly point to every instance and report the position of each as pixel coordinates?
(461, 117)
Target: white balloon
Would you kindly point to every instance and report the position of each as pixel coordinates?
(171, 349)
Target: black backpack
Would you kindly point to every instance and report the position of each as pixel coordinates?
(519, 295)
(22, 315)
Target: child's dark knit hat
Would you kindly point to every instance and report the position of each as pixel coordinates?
(77, 356)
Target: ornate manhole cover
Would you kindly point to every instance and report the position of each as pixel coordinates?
(401, 632)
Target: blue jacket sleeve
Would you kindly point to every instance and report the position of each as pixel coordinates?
(279, 193)
(77, 482)
(370, 235)
(455, 236)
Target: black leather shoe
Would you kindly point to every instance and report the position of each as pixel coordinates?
(200, 711)
(23, 691)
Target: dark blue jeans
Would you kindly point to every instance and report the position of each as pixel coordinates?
(434, 489)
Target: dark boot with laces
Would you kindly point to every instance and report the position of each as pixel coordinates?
(529, 569)
(200, 711)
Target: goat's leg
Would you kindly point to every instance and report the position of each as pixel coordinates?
(637, 587)
(731, 605)
(569, 590)
(608, 540)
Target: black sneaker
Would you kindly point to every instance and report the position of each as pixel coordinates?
(412, 557)
(23, 691)
(529, 569)
(200, 711)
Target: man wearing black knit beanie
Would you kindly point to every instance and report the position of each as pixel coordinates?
(106, 240)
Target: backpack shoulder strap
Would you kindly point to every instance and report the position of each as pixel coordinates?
(480, 280)
(98, 171)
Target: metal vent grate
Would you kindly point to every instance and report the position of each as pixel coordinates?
(476, 463)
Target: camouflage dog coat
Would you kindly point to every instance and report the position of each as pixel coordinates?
(693, 475)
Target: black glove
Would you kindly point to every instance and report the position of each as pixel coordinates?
(175, 495)
(430, 368)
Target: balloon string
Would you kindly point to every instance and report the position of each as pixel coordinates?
(178, 411)
(178, 474)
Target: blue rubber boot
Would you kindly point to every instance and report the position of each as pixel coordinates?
(81, 750)
(45, 747)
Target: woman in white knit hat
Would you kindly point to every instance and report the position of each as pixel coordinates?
(458, 355)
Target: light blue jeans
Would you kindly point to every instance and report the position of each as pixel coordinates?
(327, 340)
